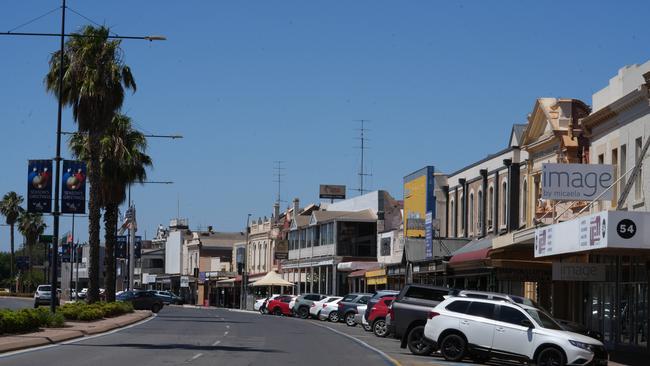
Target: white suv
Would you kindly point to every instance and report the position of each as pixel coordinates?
(480, 329)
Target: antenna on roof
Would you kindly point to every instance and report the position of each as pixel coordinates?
(362, 147)
(278, 171)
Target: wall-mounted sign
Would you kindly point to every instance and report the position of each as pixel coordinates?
(281, 249)
(576, 182)
(39, 186)
(591, 272)
(606, 229)
(331, 191)
(185, 281)
(418, 200)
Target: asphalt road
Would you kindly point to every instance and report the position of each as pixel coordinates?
(190, 336)
(15, 303)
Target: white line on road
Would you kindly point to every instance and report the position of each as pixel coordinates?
(227, 326)
(215, 343)
(225, 333)
(196, 356)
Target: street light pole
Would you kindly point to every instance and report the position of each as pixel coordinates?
(244, 273)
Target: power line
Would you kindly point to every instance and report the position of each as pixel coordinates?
(362, 148)
(35, 19)
(278, 170)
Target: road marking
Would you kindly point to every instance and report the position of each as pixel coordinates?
(225, 333)
(215, 343)
(227, 326)
(14, 353)
(196, 356)
(386, 357)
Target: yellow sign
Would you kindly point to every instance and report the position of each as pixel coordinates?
(415, 203)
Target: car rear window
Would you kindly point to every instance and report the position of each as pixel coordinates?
(458, 306)
(482, 309)
(312, 297)
(349, 298)
(44, 288)
(364, 300)
(424, 293)
(331, 299)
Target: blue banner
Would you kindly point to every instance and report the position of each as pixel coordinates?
(73, 191)
(120, 249)
(39, 186)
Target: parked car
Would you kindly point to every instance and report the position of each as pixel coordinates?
(169, 297)
(377, 316)
(303, 303)
(280, 305)
(142, 300)
(317, 306)
(330, 311)
(580, 329)
(484, 328)
(261, 304)
(348, 307)
(376, 297)
(83, 293)
(409, 312)
(43, 296)
(498, 296)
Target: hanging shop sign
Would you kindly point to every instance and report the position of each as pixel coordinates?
(39, 186)
(185, 281)
(428, 234)
(418, 200)
(590, 272)
(281, 249)
(606, 229)
(577, 182)
(73, 191)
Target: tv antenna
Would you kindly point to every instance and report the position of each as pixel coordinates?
(362, 147)
(278, 171)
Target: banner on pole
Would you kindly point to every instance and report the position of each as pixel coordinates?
(137, 249)
(120, 250)
(73, 191)
(39, 186)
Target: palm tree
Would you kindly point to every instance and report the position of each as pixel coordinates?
(94, 82)
(123, 161)
(10, 209)
(31, 225)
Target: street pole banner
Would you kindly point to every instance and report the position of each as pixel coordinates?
(138, 247)
(73, 192)
(39, 186)
(120, 250)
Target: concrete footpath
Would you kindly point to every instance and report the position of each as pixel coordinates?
(71, 330)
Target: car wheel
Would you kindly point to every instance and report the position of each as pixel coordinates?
(349, 320)
(416, 342)
(453, 347)
(303, 312)
(155, 308)
(367, 327)
(262, 310)
(379, 328)
(277, 312)
(333, 317)
(550, 356)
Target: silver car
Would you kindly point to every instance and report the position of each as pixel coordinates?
(43, 296)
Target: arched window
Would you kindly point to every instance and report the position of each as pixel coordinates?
(524, 203)
(490, 208)
(480, 213)
(461, 219)
(504, 203)
(471, 213)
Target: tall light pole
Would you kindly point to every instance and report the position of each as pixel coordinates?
(244, 273)
(57, 159)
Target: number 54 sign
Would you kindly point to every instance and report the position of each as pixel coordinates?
(626, 228)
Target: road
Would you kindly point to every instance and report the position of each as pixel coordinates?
(15, 303)
(191, 336)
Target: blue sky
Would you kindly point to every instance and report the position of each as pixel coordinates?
(251, 82)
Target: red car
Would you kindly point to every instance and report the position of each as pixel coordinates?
(377, 316)
(280, 306)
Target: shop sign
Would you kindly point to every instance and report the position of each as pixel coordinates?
(428, 234)
(148, 278)
(589, 272)
(523, 274)
(606, 229)
(281, 249)
(576, 182)
(331, 191)
(185, 281)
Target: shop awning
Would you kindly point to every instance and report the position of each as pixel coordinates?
(271, 279)
(359, 273)
(354, 266)
(476, 250)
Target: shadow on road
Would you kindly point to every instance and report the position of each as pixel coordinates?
(180, 346)
(202, 321)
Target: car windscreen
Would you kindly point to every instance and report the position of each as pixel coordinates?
(543, 319)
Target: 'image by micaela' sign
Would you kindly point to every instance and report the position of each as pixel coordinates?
(577, 182)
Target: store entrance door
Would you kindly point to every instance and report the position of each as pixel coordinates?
(602, 311)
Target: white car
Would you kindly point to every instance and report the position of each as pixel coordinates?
(330, 311)
(360, 318)
(317, 306)
(482, 328)
(260, 304)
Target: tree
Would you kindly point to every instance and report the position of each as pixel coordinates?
(94, 82)
(123, 161)
(31, 225)
(10, 209)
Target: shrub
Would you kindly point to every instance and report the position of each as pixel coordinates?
(90, 313)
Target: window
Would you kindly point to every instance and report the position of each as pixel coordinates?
(349, 298)
(452, 229)
(364, 300)
(385, 247)
(615, 164)
(462, 215)
(481, 210)
(621, 183)
(458, 306)
(511, 315)
(471, 213)
(504, 203)
(601, 159)
(482, 309)
(388, 302)
(490, 213)
(423, 293)
(524, 202)
(303, 238)
(543, 319)
(637, 182)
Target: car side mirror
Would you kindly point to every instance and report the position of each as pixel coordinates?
(527, 323)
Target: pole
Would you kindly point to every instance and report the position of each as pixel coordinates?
(76, 281)
(242, 302)
(72, 254)
(57, 175)
(132, 247)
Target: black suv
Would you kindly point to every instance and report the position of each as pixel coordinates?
(409, 313)
(348, 306)
(142, 300)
